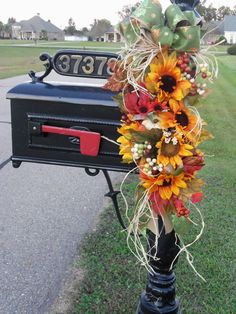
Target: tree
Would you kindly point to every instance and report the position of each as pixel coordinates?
(127, 10)
(1, 28)
(222, 11)
(208, 13)
(212, 14)
(99, 28)
(11, 20)
(71, 28)
(85, 31)
(7, 29)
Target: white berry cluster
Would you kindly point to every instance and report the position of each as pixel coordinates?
(151, 167)
(141, 149)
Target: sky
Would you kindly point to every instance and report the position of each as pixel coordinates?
(83, 12)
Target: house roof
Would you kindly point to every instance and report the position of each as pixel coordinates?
(110, 30)
(214, 27)
(230, 23)
(37, 24)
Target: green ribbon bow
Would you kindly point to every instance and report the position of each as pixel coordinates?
(175, 29)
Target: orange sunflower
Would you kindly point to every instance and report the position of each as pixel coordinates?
(184, 120)
(166, 79)
(166, 184)
(170, 151)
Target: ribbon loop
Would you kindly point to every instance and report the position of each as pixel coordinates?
(175, 29)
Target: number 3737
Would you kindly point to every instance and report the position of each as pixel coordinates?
(84, 65)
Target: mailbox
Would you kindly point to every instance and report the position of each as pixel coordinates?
(67, 124)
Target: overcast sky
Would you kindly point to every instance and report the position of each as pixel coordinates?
(83, 12)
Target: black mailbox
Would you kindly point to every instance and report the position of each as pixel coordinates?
(67, 124)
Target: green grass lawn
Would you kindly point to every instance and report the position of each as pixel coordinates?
(19, 57)
(113, 280)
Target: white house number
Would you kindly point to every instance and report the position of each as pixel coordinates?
(78, 64)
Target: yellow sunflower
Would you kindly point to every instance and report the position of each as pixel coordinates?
(184, 120)
(166, 184)
(165, 78)
(125, 141)
(171, 149)
(126, 128)
(125, 149)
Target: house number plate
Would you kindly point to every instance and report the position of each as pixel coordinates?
(83, 64)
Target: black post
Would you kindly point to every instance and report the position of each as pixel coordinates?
(159, 297)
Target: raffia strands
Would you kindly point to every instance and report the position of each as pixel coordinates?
(198, 125)
(185, 248)
(207, 58)
(137, 58)
(134, 240)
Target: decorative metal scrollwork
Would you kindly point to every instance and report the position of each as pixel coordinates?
(92, 172)
(48, 68)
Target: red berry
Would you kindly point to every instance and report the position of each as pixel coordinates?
(188, 69)
(204, 75)
(155, 172)
(180, 62)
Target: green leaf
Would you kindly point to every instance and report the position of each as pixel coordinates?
(152, 136)
(119, 100)
(178, 171)
(193, 100)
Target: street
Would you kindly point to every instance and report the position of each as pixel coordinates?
(45, 212)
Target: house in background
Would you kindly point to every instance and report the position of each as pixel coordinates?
(112, 36)
(230, 28)
(215, 29)
(36, 28)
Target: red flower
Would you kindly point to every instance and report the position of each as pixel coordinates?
(139, 103)
(193, 164)
(180, 208)
(197, 197)
(158, 204)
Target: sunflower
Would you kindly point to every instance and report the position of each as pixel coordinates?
(125, 141)
(166, 79)
(126, 128)
(171, 149)
(166, 184)
(125, 149)
(184, 120)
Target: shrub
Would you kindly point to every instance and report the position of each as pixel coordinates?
(232, 50)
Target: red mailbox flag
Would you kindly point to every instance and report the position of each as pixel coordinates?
(89, 141)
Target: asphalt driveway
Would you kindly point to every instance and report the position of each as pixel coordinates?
(45, 212)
